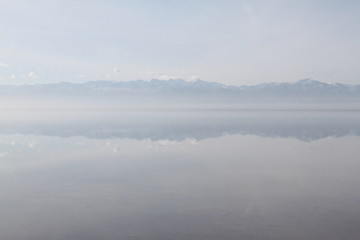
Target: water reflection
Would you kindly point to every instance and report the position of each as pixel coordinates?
(90, 176)
(177, 126)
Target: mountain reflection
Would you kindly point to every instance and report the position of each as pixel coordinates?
(180, 125)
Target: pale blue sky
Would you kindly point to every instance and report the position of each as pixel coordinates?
(233, 42)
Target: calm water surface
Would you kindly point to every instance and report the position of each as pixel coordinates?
(179, 175)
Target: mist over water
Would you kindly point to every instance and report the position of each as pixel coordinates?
(179, 174)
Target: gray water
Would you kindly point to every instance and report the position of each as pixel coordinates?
(134, 175)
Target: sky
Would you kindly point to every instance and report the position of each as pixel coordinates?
(232, 42)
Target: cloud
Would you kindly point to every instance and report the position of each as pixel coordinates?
(155, 73)
(168, 77)
(32, 75)
(80, 76)
(3, 65)
(32, 144)
(162, 75)
(116, 69)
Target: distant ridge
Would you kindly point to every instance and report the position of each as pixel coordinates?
(178, 91)
(180, 83)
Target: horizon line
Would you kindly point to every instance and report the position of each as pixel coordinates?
(176, 79)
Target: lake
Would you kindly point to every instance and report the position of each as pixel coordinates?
(136, 175)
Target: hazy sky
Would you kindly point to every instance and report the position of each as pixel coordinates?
(234, 42)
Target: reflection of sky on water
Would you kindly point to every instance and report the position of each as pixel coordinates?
(222, 187)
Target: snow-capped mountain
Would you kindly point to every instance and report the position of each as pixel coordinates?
(303, 85)
(198, 92)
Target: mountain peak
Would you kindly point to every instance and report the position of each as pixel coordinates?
(308, 81)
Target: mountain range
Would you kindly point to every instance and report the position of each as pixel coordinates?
(178, 91)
